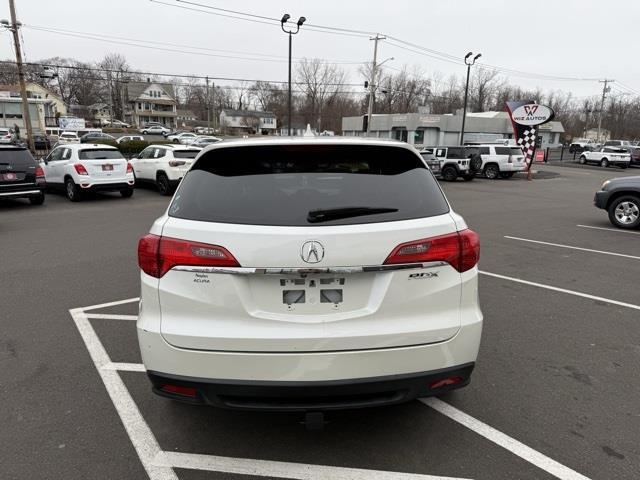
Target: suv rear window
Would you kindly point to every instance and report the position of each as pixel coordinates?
(99, 154)
(185, 153)
(16, 156)
(281, 184)
(508, 151)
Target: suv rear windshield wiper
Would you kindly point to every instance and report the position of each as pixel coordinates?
(322, 215)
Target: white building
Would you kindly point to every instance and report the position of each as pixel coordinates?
(429, 129)
(248, 122)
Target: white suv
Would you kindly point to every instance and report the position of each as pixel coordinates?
(84, 167)
(164, 165)
(501, 161)
(66, 138)
(308, 274)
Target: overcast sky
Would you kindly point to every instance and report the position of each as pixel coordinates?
(567, 38)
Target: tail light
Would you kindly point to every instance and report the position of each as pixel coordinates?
(461, 250)
(180, 390)
(157, 255)
(176, 163)
(129, 168)
(40, 180)
(80, 169)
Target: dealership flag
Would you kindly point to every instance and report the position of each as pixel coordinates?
(525, 118)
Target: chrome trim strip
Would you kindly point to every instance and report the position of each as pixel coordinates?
(20, 192)
(306, 270)
(6, 185)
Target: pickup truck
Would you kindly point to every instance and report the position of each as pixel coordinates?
(582, 144)
(607, 156)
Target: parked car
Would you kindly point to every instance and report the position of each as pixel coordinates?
(66, 138)
(607, 156)
(457, 162)
(634, 156)
(617, 143)
(6, 135)
(92, 137)
(130, 138)
(163, 165)
(621, 198)
(432, 162)
(204, 130)
(183, 137)
(41, 142)
(116, 124)
(501, 161)
(81, 168)
(308, 274)
(203, 141)
(581, 144)
(155, 130)
(20, 175)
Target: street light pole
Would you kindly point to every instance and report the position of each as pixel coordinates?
(13, 28)
(372, 86)
(291, 32)
(468, 63)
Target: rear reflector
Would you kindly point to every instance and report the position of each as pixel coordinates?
(157, 255)
(80, 169)
(178, 390)
(461, 250)
(445, 382)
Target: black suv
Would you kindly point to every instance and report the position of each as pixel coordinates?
(20, 175)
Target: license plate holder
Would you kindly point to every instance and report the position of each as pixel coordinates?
(107, 167)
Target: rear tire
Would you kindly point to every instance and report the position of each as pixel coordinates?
(162, 182)
(624, 212)
(491, 172)
(126, 192)
(506, 174)
(604, 163)
(449, 174)
(37, 199)
(72, 190)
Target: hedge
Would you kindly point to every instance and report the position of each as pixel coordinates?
(129, 149)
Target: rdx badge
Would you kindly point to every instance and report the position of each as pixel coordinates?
(418, 276)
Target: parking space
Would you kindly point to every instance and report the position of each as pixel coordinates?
(552, 396)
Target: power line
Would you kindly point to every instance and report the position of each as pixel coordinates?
(129, 42)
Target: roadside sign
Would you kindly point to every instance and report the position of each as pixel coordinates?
(539, 156)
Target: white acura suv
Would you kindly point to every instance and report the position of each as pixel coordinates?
(308, 275)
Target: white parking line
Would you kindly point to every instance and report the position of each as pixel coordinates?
(572, 247)
(110, 304)
(139, 432)
(268, 468)
(562, 290)
(124, 367)
(111, 316)
(618, 230)
(514, 446)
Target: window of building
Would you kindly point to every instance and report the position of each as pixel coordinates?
(418, 136)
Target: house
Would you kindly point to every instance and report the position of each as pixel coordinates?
(248, 122)
(150, 102)
(429, 129)
(100, 113)
(11, 113)
(185, 116)
(50, 102)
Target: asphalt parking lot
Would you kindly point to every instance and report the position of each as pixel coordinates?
(554, 394)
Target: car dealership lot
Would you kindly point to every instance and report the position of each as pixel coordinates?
(553, 394)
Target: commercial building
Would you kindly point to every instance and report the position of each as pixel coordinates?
(428, 129)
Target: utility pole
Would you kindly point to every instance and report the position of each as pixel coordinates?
(605, 90)
(208, 105)
(26, 116)
(372, 86)
(213, 106)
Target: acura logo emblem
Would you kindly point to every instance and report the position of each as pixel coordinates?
(312, 251)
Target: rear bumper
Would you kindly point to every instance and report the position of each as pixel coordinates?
(313, 396)
(514, 167)
(107, 187)
(22, 193)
